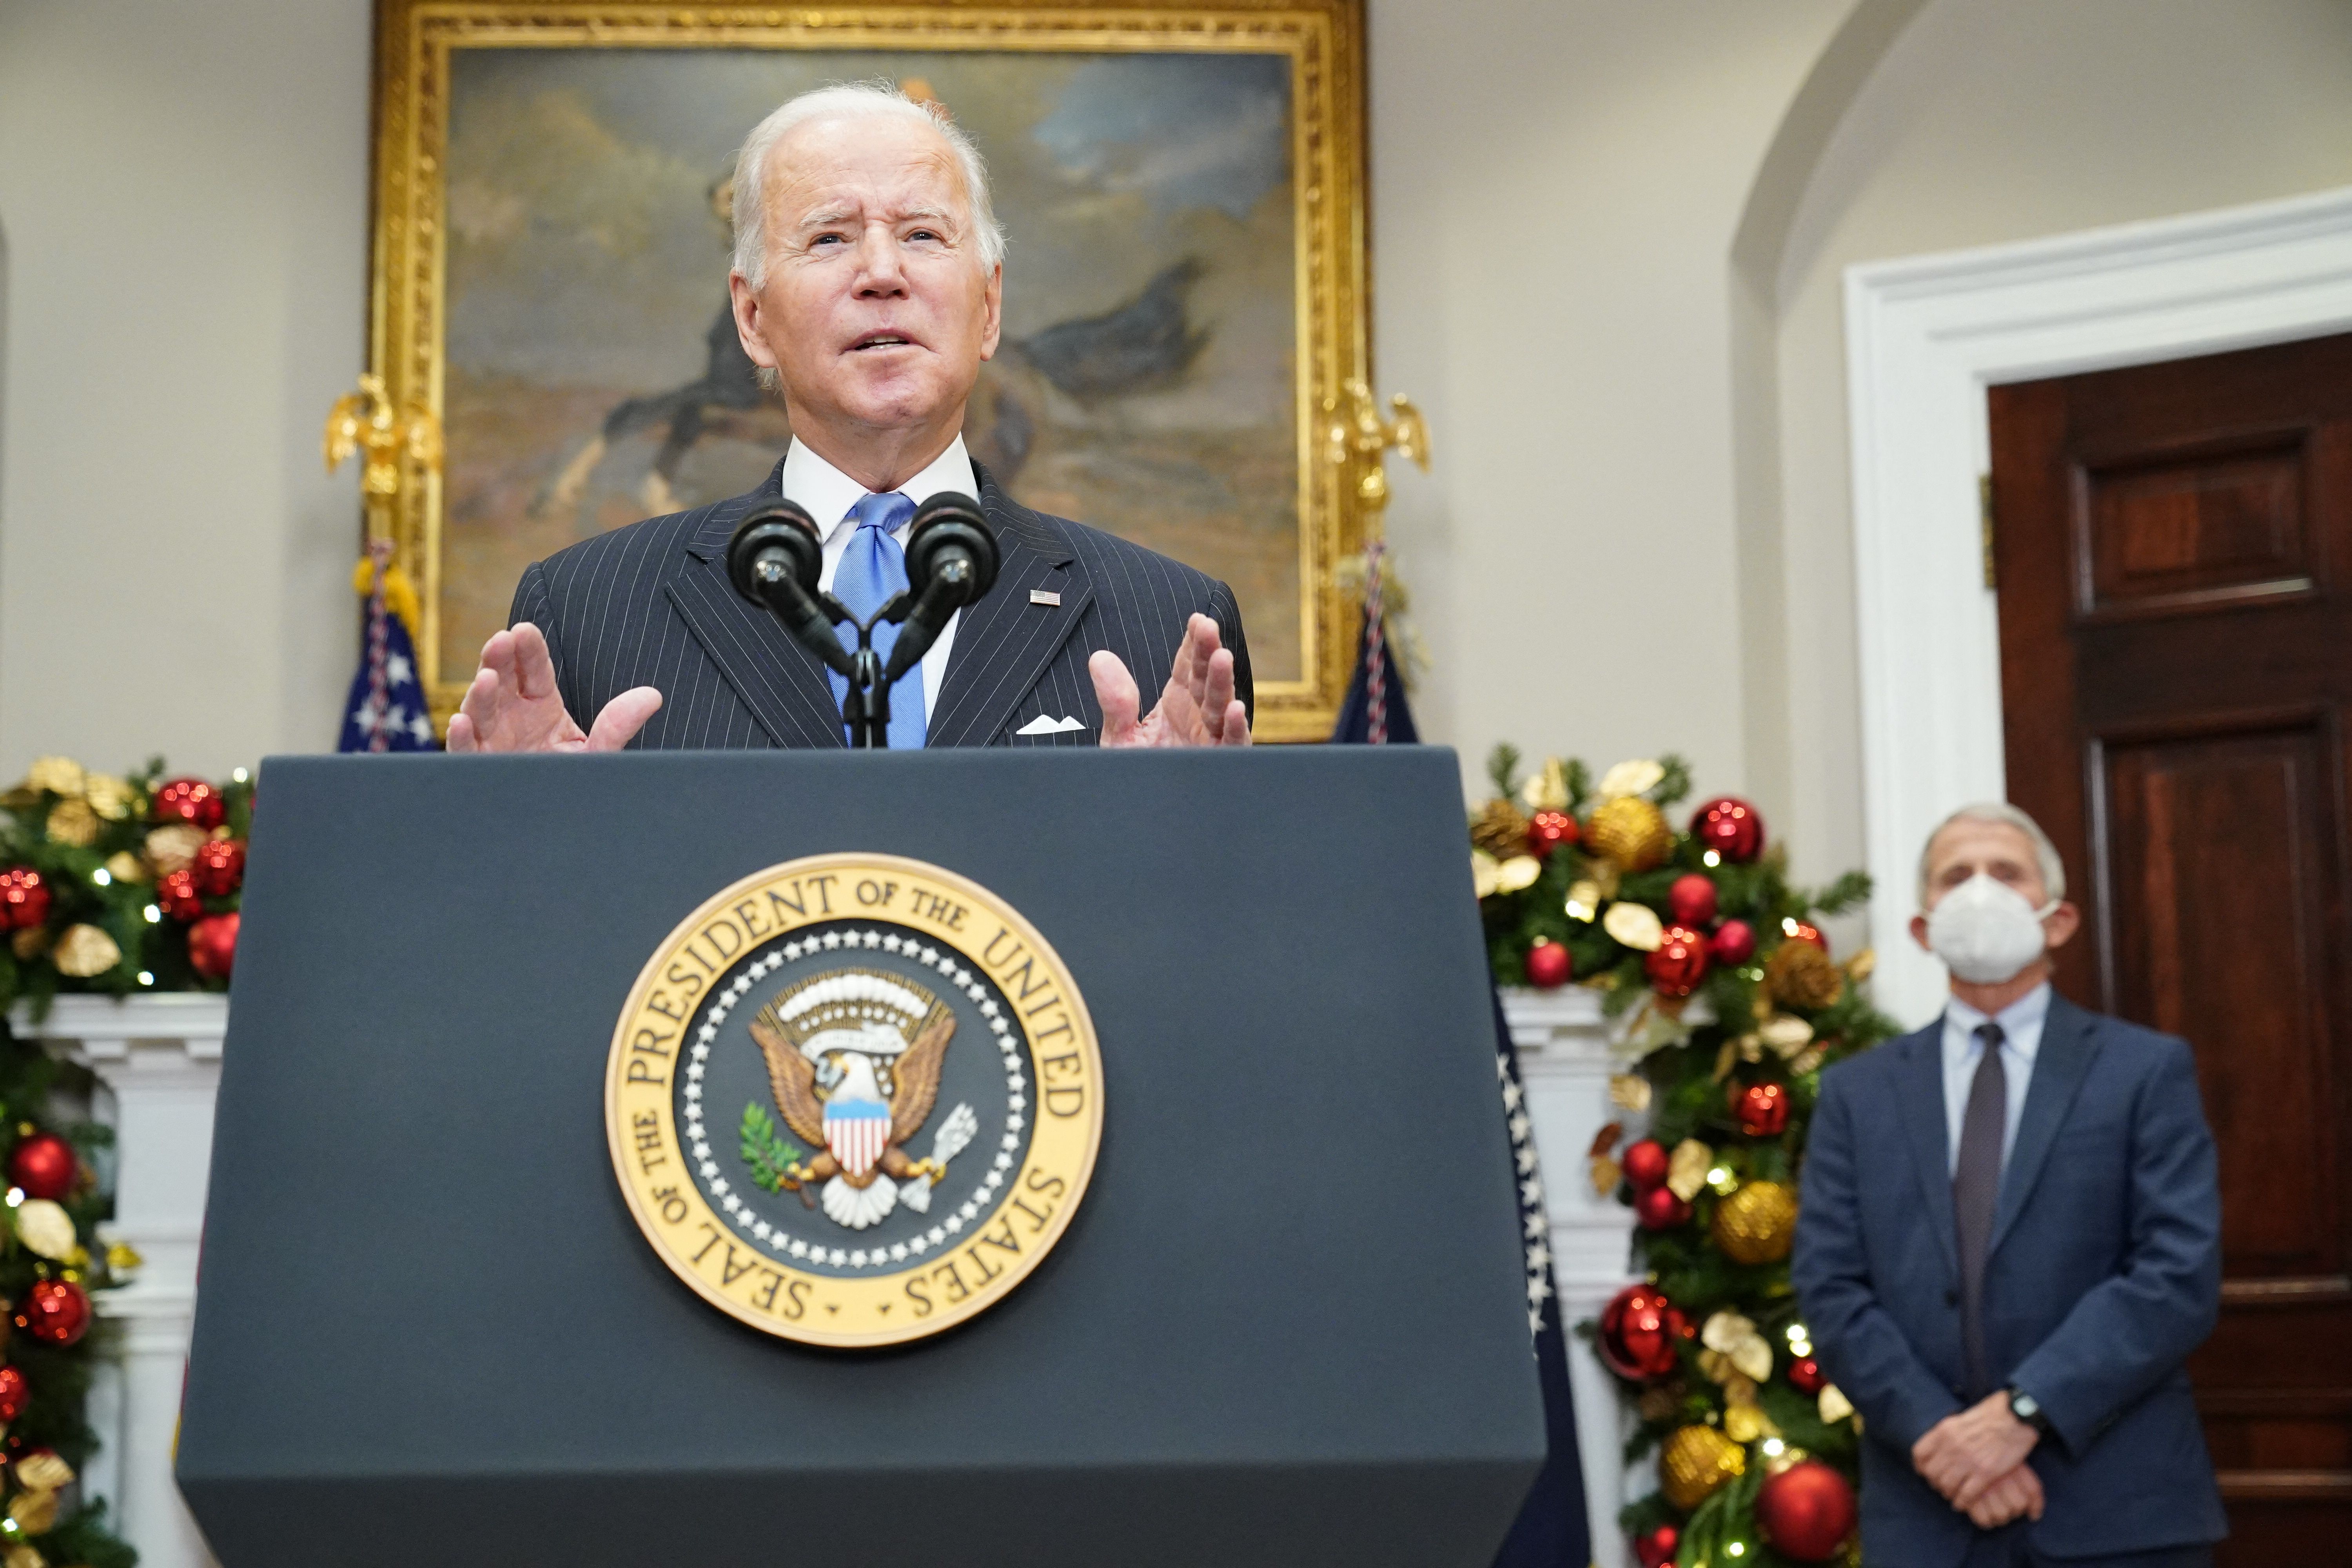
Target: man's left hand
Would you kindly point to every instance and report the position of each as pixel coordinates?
(1964, 1454)
(1196, 708)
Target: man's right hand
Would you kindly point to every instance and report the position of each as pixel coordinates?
(2017, 1494)
(513, 705)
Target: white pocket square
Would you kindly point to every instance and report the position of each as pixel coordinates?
(1042, 725)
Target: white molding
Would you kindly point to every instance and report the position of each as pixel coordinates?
(1924, 337)
(1565, 1064)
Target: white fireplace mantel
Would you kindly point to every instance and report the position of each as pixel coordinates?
(157, 1061)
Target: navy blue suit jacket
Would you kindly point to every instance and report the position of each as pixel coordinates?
(650, 604)
(2102, 1273)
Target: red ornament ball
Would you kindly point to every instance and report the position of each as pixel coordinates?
(1691, 901)
(1731, 828)
(176, 893)
(1646, 1165)
(190, 800)
(212, 946)
(1639, 1331)
(57, 1310)
(1656, 1548)
(1659, 1209)
(1733, 944)
(219, 867)
(15, 1394)
(1548, 964)
(1762, 1108)
(1806, 1511)
(45, 1167)
(24, 898)
(1679, 964)
(1806, 1376)
(1550, 830)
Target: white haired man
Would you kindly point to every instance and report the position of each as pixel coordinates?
(2009, 1243)
(867, 283)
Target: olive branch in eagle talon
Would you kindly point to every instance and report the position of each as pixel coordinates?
(847, 1053)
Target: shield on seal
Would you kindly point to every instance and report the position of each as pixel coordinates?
(856, 1130)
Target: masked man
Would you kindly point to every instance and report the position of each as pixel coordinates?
(2011, 1242)
(867, 287)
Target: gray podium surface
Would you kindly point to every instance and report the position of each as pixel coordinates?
(1287, 1325)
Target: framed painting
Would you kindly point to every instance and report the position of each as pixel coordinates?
(1184, 284)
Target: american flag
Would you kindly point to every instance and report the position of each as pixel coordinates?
(386, 710)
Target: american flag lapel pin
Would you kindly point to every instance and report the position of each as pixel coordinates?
(1043, 596)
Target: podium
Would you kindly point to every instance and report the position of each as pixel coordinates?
(1285, 1326)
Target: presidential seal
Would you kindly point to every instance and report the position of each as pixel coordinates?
(854, 1099)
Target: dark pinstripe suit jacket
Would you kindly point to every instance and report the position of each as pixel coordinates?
(650, 604)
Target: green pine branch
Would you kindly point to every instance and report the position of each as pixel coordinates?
(770, 1155)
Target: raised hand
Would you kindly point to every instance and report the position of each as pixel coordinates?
(513, 705)
(1196, 708)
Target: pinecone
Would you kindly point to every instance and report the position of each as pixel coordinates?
(1500, 828)
(1801, 975)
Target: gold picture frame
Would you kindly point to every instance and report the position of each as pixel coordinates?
(423, 52)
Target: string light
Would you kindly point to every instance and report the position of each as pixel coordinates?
(102, 876)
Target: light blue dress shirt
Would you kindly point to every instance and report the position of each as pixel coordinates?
(2021, 1024)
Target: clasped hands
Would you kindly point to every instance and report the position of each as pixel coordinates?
(1976, 1458)
(513, 705)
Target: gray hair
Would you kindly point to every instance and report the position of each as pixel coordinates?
(876, 100)
(2053, 869)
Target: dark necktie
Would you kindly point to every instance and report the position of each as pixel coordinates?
(1976, 1192)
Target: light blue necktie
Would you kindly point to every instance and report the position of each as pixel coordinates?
(872, 569)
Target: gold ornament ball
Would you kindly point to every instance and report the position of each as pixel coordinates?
(1630, 831)
(1757, 1223)
(73, 822)
(1799, 975)
(1694, 1462)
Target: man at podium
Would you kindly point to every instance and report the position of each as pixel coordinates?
(867, 281)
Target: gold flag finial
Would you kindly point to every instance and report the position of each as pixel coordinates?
(389, 439)
(1358, 437)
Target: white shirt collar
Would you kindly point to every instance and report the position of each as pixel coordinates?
(828, 493)
(2021, 1022)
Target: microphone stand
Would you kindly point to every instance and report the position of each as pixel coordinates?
(866, 706)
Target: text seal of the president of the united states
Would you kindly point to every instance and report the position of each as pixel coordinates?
(854, 1099)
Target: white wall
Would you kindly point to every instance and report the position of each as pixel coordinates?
(1555, 189)
(1991, 121)
(183, 193)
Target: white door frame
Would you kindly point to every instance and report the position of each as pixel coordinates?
(1924, 337)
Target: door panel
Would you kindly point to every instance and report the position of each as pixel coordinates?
(2177, 672)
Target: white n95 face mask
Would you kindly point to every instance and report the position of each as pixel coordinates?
(1985, 930)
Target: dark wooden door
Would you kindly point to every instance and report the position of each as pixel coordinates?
(2173, 551)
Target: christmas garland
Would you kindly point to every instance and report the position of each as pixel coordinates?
(50, 1261)
(1722, 995)
(118, 885)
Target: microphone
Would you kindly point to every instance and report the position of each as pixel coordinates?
(775, 560)
(951, 561)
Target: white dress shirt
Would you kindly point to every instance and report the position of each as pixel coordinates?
(829, 494)
(2021, 1026)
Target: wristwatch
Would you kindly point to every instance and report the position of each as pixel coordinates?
(2028, 1409)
